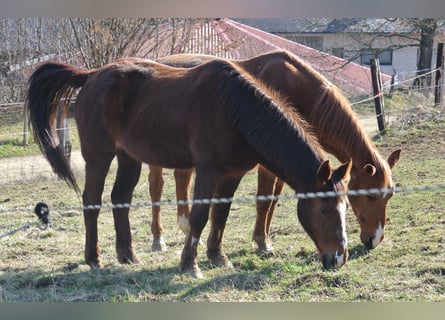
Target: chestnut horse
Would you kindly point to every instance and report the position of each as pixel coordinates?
(337, 128)
(214, 118)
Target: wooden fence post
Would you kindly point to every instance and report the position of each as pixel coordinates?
(378, 94)
(438, 92)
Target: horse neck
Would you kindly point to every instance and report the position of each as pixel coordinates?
(274, 131)
(290, 76)
(318, 102)
(339, 130)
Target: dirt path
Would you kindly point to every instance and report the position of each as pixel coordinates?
(31, 167)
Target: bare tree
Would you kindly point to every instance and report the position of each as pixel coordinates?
(365, 33)
(428, 28)
(87, 42)
(420, 33)
(100, 41)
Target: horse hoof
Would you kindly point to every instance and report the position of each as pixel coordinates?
(264, 248)
(193, 271)
(95, 265)
(133, 259)
(265, 251)
(221, 261)
(159, 245)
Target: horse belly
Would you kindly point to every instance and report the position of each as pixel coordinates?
(168, 152)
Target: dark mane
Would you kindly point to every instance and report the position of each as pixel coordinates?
(264, 117)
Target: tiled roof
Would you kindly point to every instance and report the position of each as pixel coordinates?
(352, 78)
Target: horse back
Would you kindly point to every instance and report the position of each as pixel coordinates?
(158, 114)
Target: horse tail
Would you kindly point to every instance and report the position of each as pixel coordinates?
(50, 89)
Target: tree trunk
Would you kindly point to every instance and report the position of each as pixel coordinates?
(427, 31)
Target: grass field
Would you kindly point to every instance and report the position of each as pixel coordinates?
(409, 265)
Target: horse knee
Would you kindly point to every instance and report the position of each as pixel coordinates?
(198, 220)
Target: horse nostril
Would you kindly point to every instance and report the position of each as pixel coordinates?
(328, 263)
(369, 244)
(367, 241)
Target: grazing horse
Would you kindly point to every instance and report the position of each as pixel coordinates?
(214, 117)
(337, 128)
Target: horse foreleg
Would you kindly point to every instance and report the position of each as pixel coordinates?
(183, 181)
(156, 183)
(128, 173)
(204, 186)
(92, 196)
(225, 188)
(266, 186)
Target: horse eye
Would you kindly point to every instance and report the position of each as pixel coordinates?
(372, 198)
(324, 211)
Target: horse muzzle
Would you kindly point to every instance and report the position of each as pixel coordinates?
(335, 260)
(370, 242)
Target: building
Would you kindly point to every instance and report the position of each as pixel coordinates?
(393, 41)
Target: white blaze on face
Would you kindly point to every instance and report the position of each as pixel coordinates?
(340, 259)
(378, 236)
(341, 207)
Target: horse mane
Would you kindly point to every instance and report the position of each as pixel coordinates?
(264, 117)
(332, 115)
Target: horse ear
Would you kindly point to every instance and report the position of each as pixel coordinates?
(344, 170)
(324, 173)
(370, 169)
(393, 158)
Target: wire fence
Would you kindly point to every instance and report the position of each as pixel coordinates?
(244, 199)
(44, 220)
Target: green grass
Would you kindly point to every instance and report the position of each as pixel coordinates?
(48, 265)
(12, 137)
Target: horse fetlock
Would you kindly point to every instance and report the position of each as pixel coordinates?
(94, 264)
(264, 246)
(192, 269)
(159, 245)
(219, 259)
(127, 256)
(92, 258)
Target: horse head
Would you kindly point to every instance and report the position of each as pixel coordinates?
(323, 218)
(370, 209)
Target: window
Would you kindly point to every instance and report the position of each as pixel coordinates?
(384, 56)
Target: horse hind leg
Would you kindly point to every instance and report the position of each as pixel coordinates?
(156, 184)
(95, 174)
(128, 173)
